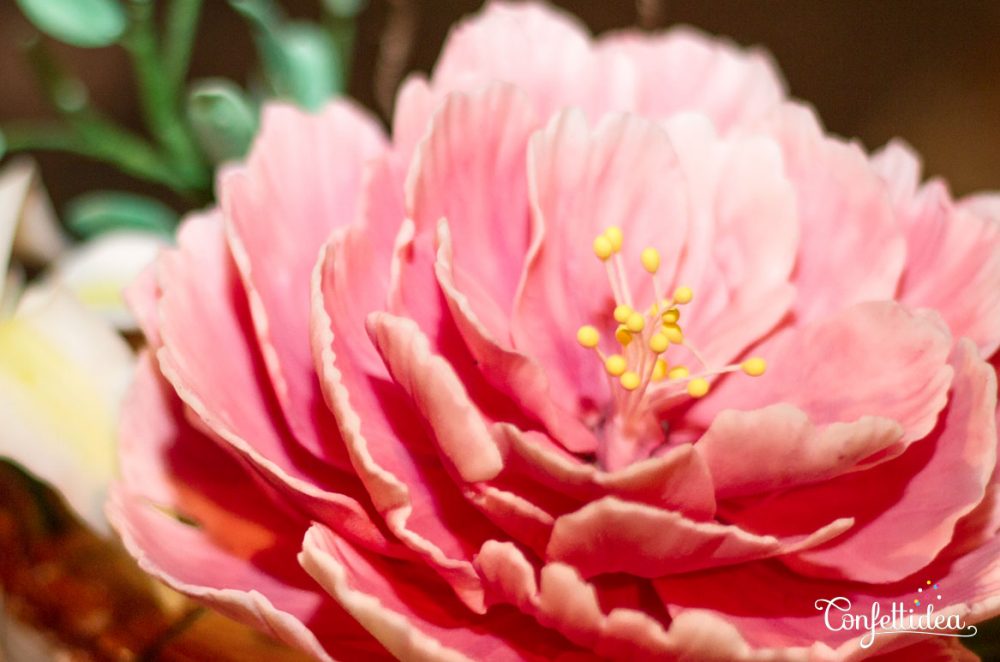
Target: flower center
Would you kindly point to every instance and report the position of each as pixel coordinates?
(640, 368)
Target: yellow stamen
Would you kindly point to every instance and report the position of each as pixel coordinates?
(658, 343)
(623, 336)
(629, 380)
(588, 336)
(755, 367)
(603, 248)
(671, 316)
(673, 333)
(621, 313)
(635, 323)
(680, 372)
(698, 387)
(660, 370)
(683, 294)
(650, 260)
(615, 365)
(614, 235)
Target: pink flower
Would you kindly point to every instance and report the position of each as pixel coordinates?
(366, 383)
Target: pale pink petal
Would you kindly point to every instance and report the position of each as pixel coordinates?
(685, 70)
(409, 614)
(677, 480)
(303, 178)
(873, 359)
(511, 372)
(788, 448)
(563, 601)
(544, 52)
(743, 242)
(852, 248)
(911, 518)
(481, 187)
(611, 535)
(623, 173)
(953, 251)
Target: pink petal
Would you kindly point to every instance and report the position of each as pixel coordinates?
(407, 612)
(904, 517)
(611, 535)
(306, 171)
(143, 298)
(684, 70)
(218, 373)
(624, 173)
(851, 248)
(788, 448)
(480, 186)
(385, 437)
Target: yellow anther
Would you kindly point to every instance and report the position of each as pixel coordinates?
(673, 333)
(650, 260)
(603, 248)
(635, 322)
(755, 367)
(623, 336)
(683, 294)
(622, 312)
(658, 343)
(680, 372)
(698, 387)
(614, 235)
(615, 365)
(588, 336)
(659, 370)
(671, 316)
(629, 380)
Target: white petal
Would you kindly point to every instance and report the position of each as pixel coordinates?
(99, 270)
(63, 374)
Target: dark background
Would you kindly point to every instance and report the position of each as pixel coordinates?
(926, 70)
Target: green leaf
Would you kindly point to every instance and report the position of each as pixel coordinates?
(308, 70)
(345, 8)
(82, 23)
(101, 211)
(223, 119)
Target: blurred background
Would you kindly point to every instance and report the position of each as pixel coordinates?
(926, 70)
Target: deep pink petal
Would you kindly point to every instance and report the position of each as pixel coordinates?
(217, 371)
(611, 535)
(409, 613)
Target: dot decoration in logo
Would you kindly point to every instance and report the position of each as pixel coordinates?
(920, 589)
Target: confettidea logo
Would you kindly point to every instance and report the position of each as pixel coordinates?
(915, 617)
